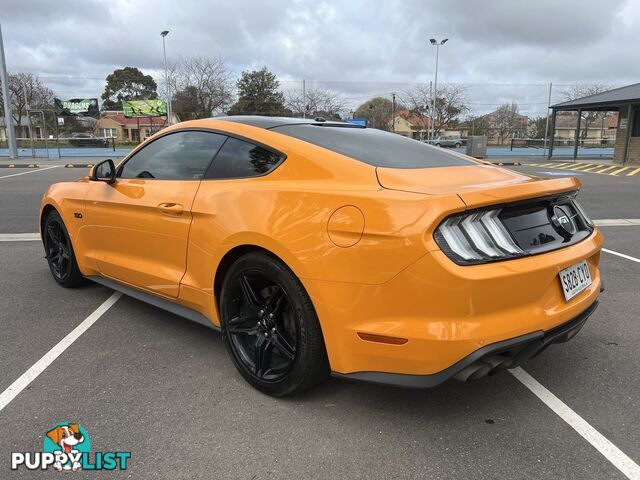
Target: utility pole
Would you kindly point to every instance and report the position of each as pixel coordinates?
(164, 33)
(430, 109)
(26, 106)
(393, 112)
(8, 119)
(437, 44)
(546, 128)
(304, 98)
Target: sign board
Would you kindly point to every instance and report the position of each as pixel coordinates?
(144, 108)
(358, 121)
(623, 123)
(77, 107)
(60, 121)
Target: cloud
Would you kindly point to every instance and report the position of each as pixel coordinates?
(358, 47)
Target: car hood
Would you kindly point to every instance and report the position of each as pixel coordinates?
(476, 185)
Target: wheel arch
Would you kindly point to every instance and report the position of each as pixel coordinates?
(46, 210)
(239, 250)
(234, 254)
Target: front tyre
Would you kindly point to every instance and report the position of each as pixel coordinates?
(270, 327)
(59, 251)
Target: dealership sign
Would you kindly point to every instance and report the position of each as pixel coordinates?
(77, 107)
(144, 108)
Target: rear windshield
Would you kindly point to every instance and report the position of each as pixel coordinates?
(375, 147)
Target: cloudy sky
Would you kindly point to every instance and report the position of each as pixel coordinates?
(502, 50)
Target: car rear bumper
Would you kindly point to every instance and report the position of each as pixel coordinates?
(442, 313)
(485, 361)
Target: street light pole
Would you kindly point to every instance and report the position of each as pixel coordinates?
(437, 44)
(164, 33)
(8, 120)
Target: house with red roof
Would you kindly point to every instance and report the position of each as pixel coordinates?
(410, 125)
(113, 124)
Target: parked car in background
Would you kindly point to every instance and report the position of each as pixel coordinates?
(453, 142)
(86, 140)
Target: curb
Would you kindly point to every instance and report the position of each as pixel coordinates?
(34, 165)
(20, 165)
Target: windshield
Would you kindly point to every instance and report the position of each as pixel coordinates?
(375, 147)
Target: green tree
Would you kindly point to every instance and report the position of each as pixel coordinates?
(185, 103)
(258, 94)
(128, 83)
(377, 112)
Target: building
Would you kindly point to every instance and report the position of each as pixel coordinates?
(22, 131)
(411, 125)
(626, 102)
(596, 128)
(498, 127)
(113, 124)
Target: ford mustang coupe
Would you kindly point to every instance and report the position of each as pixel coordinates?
(322, 248)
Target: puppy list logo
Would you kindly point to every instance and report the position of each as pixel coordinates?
(67, 447)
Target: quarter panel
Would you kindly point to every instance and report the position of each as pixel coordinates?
(291, 219)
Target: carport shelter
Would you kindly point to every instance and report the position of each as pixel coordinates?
(624, 100)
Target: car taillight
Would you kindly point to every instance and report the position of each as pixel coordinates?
(476, 238)
(513, 230)
(587, 220)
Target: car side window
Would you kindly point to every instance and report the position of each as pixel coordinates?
(240, 159)
(177, 156)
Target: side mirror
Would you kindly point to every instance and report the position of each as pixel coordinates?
(104, 171)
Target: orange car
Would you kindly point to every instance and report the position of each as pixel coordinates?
(319, 247)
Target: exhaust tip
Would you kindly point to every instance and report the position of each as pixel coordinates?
(484, 367)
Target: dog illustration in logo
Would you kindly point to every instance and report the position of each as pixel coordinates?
(67, 437)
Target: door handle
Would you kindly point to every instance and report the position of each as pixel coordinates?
(171, 208)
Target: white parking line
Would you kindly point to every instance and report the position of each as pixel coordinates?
(40, 366)
(612, 453)
(618, 222)
(31, 171)
(19, 237)
(628, 257)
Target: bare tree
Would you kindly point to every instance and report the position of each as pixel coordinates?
(317, 102)
(506, 120)
(27, 85)
(200, 86)
(450, 104)
(580, 90)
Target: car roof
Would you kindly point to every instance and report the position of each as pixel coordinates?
(273, 122)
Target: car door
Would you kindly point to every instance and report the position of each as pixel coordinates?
(138, 227)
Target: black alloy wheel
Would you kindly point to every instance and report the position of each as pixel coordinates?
(270, 327)
(59, 252)
(263, 331)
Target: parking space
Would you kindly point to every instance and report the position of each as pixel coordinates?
(21, 190)
(154, 384)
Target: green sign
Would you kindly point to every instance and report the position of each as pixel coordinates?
(144, 108)
(82, 107)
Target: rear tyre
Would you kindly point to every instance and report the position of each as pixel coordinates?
(270, 327)
(59, 251)
(458, 145)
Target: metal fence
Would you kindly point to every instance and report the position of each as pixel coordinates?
(53, 148)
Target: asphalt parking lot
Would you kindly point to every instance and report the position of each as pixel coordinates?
(143, 380)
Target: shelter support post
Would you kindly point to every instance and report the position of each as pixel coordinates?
(627, 139)
(553, 133)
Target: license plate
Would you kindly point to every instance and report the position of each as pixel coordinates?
(575, 279)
